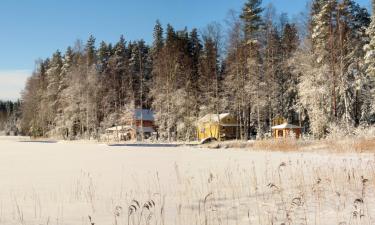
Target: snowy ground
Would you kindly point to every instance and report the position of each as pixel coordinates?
(69, 183)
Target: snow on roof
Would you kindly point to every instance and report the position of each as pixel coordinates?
(127, 128)
(144, 114)
(285, 126)
(118, 128)
(213, 117)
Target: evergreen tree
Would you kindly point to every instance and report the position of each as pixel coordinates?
(158, 42)
(251, 16)
(368, 108)
(195, 49)
(289, 82)
(116, 82)
(370, 47)
(90, 51)
(53, 89)
(104, 54)
(63, 97)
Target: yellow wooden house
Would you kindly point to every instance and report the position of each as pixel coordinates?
(286, 130)
(219, 126)
(282, 129)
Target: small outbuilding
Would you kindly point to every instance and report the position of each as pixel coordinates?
(219, 126)
(285, 130)
(134, 123)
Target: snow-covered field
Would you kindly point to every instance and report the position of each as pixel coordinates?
(71, 183)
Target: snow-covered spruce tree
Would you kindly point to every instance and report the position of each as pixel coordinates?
(287, 81)
(9, 117)
(52, 93)
(80, 95)
(352, 82)
(61, 119)
(116, 82)
(368, 108)
(323, 44)
(311, 64)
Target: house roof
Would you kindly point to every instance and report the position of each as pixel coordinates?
(285, 126)
(144, 114)
(213, 117)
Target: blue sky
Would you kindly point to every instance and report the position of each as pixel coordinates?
(32, 29)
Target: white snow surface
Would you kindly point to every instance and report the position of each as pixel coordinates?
(65, 183)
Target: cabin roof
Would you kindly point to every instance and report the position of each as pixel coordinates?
(118, 128)
(144, 114)
(285, 126)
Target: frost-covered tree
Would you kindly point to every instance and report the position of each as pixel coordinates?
(352, 23)
(370, 47)
(369, 64)
(313, 91)
(288, 82)
(50, 102)
(323, 43)
(10, 117)
(62, 97)
(32, 122)
(165, 70)
(337, 37)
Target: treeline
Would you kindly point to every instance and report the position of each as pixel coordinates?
(9, 117)
(261, 67)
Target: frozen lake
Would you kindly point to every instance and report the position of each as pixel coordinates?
(69, 183)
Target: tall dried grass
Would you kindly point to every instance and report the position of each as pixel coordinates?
(294, 191)
(358, 144)
(284, 145)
